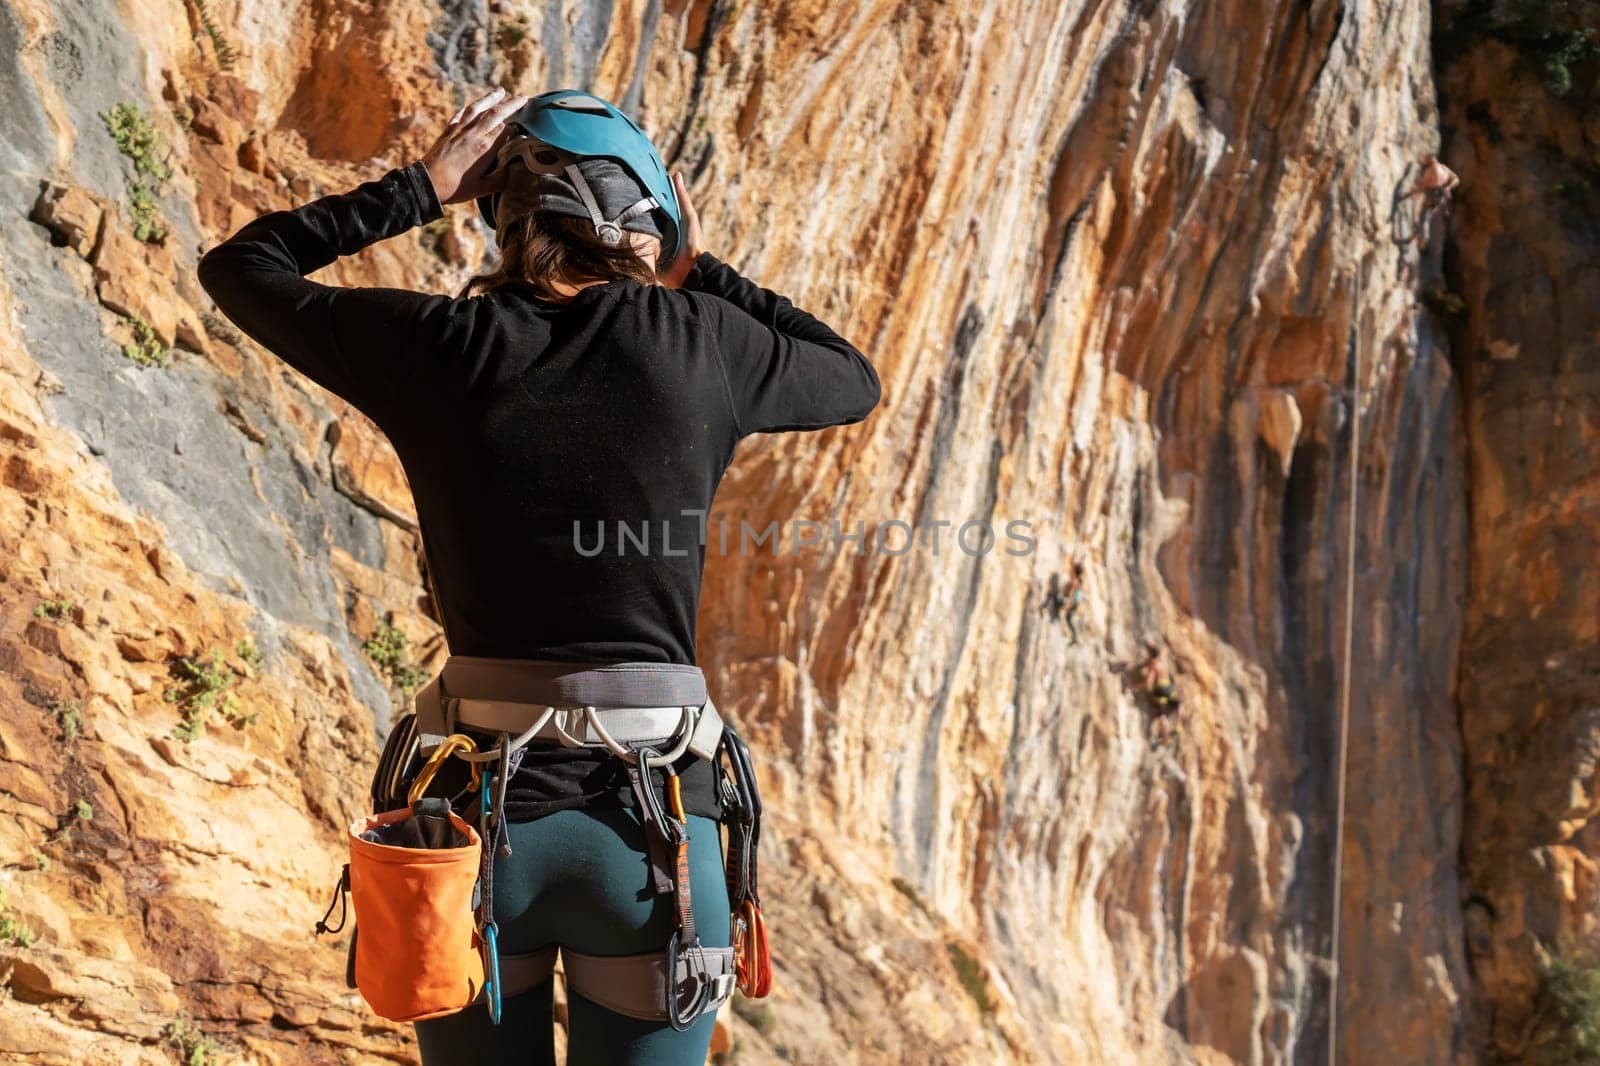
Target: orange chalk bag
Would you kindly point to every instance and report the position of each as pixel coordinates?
(415, 880)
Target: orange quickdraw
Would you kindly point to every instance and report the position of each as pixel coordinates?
(752, 959)
(680, 851)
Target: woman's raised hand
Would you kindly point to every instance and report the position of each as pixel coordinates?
(693, 240)
(459, 161)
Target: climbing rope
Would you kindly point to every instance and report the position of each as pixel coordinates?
(1344, 707)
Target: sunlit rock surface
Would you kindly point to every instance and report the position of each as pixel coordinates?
(1132, 274)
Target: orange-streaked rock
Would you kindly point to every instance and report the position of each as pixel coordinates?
(1115, 265)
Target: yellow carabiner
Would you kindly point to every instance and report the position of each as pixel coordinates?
(453, 743)
(675, 799)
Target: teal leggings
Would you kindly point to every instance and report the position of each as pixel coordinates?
(580, 878)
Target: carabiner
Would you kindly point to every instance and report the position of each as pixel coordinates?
(451, 744)
(675, 797)
(744, 771)
(681, 1019)
(491, 969)
(671, 830)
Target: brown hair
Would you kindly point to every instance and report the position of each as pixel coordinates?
(540, 250)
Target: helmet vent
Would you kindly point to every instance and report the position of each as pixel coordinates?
(580, 103)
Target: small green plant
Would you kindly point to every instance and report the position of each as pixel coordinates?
(204, 685)
(1561, 52)
(971, 975)
(1548, 36)
(389, 651)
(226, 56)
(137, 138)
(54, 609)
(69, 716)
(248, 653)
(81, 812)
(145, 214)
(511, 32)
(909, 891)
(1569, 1005)
(146, 348)
(194, 1047)
(41, 861)
(12, 931)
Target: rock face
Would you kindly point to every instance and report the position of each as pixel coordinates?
(1147, 295)
(1520, 121)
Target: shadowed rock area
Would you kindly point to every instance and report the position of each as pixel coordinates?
(1139, 279)
(1522, 285)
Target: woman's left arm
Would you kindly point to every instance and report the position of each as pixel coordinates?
(355, 342)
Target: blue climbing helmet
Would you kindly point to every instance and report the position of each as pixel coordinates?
(579, 126)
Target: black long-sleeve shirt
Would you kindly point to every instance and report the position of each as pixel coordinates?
(526, 427)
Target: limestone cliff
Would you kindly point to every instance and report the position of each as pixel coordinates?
(1522, 297)
(1138, 274)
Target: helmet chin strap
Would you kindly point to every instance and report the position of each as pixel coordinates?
(608, 231)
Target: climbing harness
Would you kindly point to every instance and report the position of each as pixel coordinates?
(556, 129)
(615, 707)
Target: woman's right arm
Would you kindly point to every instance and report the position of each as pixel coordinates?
(785, 369)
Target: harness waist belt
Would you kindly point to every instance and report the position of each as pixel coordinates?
(557, 684)
(633, 701)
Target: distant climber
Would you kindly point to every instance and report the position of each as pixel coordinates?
(1160, 693)
(1054, 600)
(1435, 185)
(1062, 604)
(1074, 596)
